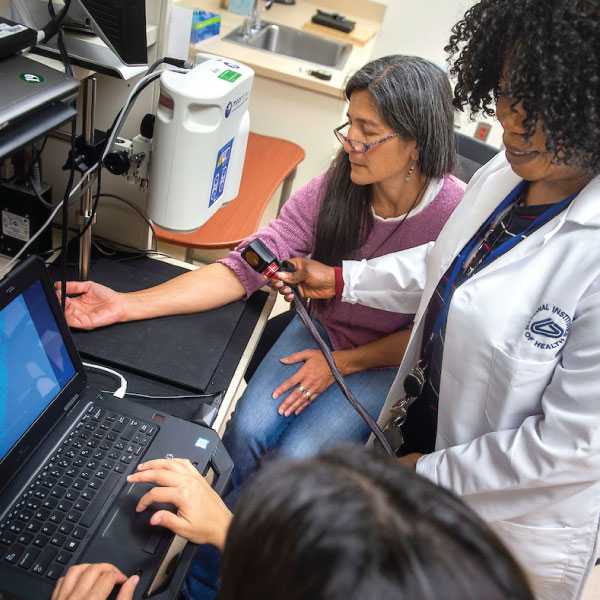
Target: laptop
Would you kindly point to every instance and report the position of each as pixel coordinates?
(28, 85)
(66, 450)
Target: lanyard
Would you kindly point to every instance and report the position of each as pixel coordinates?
(461, 259)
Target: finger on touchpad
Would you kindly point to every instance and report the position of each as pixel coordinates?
(130, 528)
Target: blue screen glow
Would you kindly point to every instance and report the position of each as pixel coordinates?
(34, 363)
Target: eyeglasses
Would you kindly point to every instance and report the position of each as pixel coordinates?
(361, 147)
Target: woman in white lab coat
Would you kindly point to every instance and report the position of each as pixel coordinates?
(507, 328)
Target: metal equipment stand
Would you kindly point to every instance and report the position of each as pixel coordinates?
(88, 102)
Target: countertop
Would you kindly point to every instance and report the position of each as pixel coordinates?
(283, 68)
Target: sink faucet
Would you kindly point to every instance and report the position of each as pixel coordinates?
(253, 23)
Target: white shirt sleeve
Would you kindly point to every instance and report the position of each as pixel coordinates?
(393, 282)
(549, 455)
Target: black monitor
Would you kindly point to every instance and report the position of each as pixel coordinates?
(122, 26)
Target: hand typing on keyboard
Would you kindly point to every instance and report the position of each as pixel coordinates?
(200, 516)
(94, 581)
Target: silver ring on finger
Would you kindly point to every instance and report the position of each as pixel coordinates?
(302, 389)
(307, 394)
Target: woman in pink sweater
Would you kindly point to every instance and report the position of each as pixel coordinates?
(388, 189)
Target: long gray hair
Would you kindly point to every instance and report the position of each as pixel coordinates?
(414, 98)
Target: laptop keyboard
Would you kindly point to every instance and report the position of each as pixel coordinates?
(46, 526)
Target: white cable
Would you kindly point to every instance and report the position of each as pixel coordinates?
(122, 389)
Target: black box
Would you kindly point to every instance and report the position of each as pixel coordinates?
(21, 215)
(333, 20)
(15, 37)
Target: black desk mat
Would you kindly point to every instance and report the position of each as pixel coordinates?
(183, 350)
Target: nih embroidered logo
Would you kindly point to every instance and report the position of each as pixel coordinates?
(548, 328)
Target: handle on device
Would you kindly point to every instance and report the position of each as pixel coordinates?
(177, 577)
(222, 465)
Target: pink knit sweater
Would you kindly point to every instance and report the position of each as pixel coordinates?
(292, 234)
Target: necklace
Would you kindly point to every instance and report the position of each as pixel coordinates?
(373, 253)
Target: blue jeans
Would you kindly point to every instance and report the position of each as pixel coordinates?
(202, 581)
(256, 428)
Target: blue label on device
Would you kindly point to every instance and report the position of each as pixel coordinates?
(220, 175)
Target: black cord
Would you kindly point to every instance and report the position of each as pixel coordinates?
(139, 252)
(53, 26)
(118, 246)
(139, 212)
(65, 222)
(169, 60)
(356, 405)
(61, 42)
(90, 219)
(263, 261)
(155, 65)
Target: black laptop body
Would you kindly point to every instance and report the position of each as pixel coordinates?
(65, 453)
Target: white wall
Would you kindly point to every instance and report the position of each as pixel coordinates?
(422, 28)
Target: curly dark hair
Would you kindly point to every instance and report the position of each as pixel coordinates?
(551, 49)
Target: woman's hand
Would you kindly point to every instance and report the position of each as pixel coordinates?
(94, 582)
(95, 306)
(314, 280)
(312, 379)
(201, 516)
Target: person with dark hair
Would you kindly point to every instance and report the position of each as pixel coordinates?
(502, 372)
(389, 188)
(345, 525)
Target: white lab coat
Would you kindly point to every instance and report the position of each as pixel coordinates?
(518, 433)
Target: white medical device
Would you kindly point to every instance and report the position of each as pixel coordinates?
(193, 165)
(199, 144)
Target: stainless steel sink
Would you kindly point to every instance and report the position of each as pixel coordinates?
(293, 42)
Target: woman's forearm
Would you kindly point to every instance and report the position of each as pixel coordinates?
(387, 351)
(202, 289)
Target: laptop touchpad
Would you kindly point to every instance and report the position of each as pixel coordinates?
(130, 528)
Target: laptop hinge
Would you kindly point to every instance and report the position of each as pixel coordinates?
(71, 402)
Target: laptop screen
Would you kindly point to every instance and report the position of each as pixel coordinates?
(34, 363)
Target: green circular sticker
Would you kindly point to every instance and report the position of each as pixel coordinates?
(31, 78)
